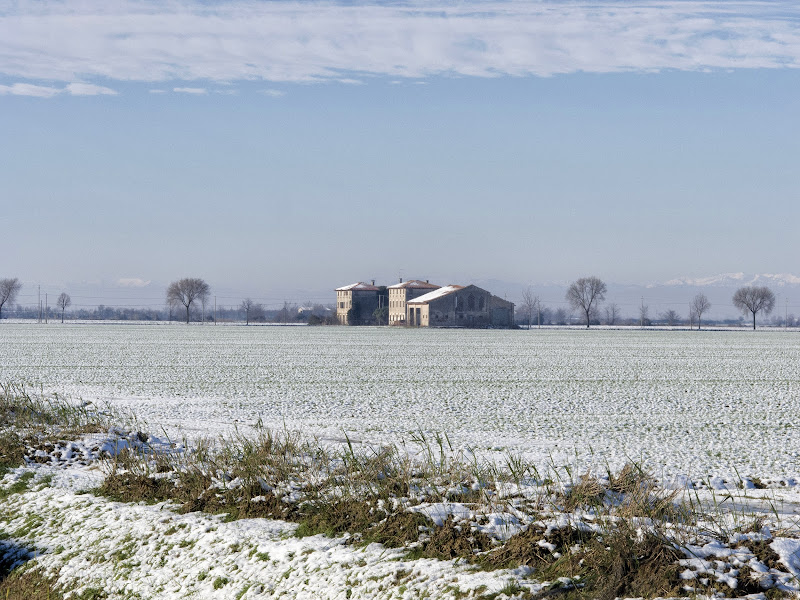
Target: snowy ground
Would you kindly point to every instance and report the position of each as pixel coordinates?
(700, 404)
(152, 552)
(140, 551)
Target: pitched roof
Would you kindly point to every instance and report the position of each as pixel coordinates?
(436, 294)
(414, 283)
(360, 286)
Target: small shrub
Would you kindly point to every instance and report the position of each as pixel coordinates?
(220, 582)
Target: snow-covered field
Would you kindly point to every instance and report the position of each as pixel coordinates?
(683, 402)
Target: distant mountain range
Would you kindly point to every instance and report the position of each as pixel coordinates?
(735, 279)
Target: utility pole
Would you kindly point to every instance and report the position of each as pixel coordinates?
(46, 307)
(215, 310)
(786, 315)
(39, 302)
(641, 315)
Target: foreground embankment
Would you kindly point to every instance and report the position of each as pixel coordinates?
(95, 507)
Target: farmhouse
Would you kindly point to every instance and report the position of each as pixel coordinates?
(423, 304)
(355, 302)
(460, 306)
(401, 293)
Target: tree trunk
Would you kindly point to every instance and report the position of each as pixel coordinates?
(754, 320)
(187, 313)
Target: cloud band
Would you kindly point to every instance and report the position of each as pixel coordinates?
(279, 41)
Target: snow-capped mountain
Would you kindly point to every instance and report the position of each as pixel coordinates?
(736, 279)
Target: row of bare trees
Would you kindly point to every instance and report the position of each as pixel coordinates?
(10, 287)
(586, 294)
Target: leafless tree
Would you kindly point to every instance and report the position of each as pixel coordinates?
(612, 314)
(63, 302)
(671, 317)
(644, 315)
(585, 293)
(699, 305)
(9, 288)
(252, 310)
(186, 291)
(287, 313)
(530, 304)
(754, 299)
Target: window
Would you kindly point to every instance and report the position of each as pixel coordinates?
(481, 303)
(471, 302)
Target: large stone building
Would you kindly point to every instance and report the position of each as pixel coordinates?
(356, 302)
(401, 293)
(460, 306)
(423, 304)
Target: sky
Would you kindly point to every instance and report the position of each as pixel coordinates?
(281, 149)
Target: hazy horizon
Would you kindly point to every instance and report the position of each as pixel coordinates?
(661, 296)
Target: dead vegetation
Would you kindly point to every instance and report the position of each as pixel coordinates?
(29, 584)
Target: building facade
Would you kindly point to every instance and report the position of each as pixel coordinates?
(460, 306)
(401, 293)
(356, 302)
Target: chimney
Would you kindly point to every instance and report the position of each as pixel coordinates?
(401, 280)
(373, 282)
(427, 281)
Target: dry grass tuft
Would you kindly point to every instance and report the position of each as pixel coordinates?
(29, 584)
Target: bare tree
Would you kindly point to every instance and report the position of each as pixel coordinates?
(286, 313)
(186, 291)
(63, 302)
(530, 304)
(9, 288)
(252, 310)
(754, 299)
(671, 317)
(644, 315)
(612, 314)
(699, 305)
(585, 293)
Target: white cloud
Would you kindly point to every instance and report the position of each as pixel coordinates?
(157, 91)
(87, 89)
(134, 282)
(190, 40)
(27, 89)
(273, 93)
(41, 91)
(190, 90)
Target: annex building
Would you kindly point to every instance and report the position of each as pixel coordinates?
(418, 303)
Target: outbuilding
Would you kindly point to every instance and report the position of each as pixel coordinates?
(460, 306)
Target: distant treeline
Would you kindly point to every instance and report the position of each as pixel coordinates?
(290, 313)
(561, 316)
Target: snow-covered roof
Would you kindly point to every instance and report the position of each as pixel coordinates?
(360, 286)
(414, 283)
(436, 294)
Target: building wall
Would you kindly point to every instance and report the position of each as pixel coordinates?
(468, 307)
(398, 299)
(397, 306)
(344, 302)
(364, 302)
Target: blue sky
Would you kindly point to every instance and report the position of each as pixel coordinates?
(299, 146)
